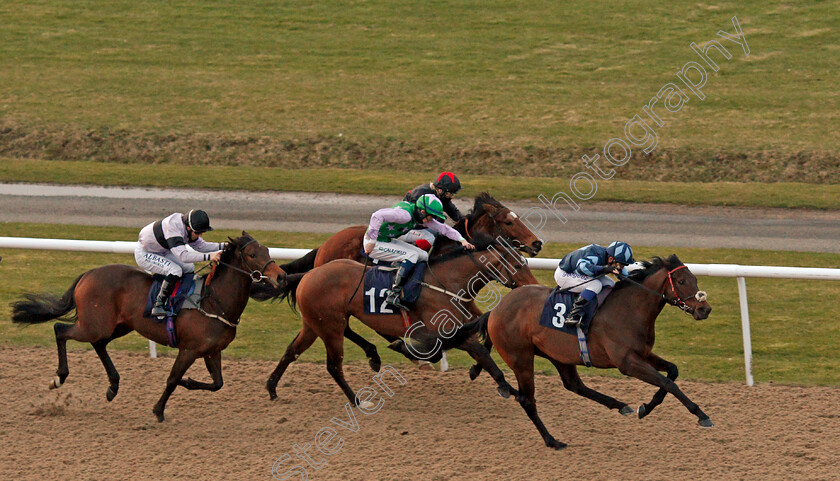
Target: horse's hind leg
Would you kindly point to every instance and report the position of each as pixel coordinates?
(370, 350)
(301, 343)
(634, 365)
(182, 363)
(572, 382)
(113, 375)
(672, 372)
(523, 366)
(62, 333)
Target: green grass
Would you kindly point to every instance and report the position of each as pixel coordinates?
(793, 333)
(349, 181)
(491, 82)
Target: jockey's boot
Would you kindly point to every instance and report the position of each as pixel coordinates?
(165, 291)
(402, 275)
(576, 316)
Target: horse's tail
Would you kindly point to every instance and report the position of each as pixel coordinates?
(288, 289)
(38, 308)
(464, 332)
(304, 264)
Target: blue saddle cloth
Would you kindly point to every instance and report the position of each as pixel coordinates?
(557, 308)
(378, 282)
(182, 291)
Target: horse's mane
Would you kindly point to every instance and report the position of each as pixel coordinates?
(232, 246)
(649, 268)
(477, 211)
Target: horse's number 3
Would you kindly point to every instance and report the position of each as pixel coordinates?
(559, 320)
(383, 308)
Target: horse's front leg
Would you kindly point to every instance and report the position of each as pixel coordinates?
(214, 367)
(634, 365)
(483, 359)
(182, 363)
(672, 372)
(572, 382)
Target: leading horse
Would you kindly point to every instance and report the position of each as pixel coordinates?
(109, 303)
(328, 295)
(621, 336)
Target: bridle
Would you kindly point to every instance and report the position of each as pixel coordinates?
(256, 275)
(677, 300)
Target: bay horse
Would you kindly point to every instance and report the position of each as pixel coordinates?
(488, 217)
(109, 303)
(328, 295)
(621, 336)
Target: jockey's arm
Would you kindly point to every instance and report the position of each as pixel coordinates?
(202, 245)
(388, 214)
(188, 256)
(443, 229)
(588, 268)
(452, 211)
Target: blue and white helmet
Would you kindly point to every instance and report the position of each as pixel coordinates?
(621, 252)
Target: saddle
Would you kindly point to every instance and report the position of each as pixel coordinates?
(188, 288)
(378, 281)
(560, 303)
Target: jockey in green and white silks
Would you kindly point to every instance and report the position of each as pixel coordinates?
(391, 236)
(584, 271)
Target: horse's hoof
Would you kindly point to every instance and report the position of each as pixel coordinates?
(642, 411)
(55, 383)
(555, 444)
(159, 415)
(425, 366)
(626, 410)
(110, 394)
(705, 423)
(504, 391)
(366, 405)
(396, 346)
(474, 372)
(375, 364)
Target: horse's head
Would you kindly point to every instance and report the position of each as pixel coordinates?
(490, 217)
(675, 283)
(250, 256)
(682, 285)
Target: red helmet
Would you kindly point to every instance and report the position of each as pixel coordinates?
(448, 182)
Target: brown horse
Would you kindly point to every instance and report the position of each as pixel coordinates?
(621, 336)
(109, 303)
(488, 217)
(328, 295)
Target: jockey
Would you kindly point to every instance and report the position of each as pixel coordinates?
(162, 249)
(444, 188)
(591, 263)
(393, 231)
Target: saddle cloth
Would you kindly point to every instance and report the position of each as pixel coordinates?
(378, 281)
(188, 287)
(559, 304)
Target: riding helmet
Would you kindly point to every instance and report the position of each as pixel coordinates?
(448, 182)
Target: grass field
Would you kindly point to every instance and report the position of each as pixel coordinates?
(794, 323)
(520, 88)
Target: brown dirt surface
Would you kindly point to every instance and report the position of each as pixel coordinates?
(438, 426)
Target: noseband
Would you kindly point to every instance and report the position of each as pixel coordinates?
(678, 301)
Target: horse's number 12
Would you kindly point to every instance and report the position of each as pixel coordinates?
(383, 308)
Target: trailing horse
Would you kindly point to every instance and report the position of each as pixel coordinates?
(108, 302)
(621, 336)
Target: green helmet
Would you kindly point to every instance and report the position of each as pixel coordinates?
(432, 205)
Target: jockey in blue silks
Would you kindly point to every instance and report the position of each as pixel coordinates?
(584, 271)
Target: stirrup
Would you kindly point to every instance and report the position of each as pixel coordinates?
(394, 300)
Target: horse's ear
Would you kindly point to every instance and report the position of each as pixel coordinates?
(245, 234)
(491, 210)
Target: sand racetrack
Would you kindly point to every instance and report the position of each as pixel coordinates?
(437, 426)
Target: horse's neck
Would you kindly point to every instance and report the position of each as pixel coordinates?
(644, 304)
(230, 292)
(456, 274)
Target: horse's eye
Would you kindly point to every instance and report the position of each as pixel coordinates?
(681, 282)
(508, 223)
